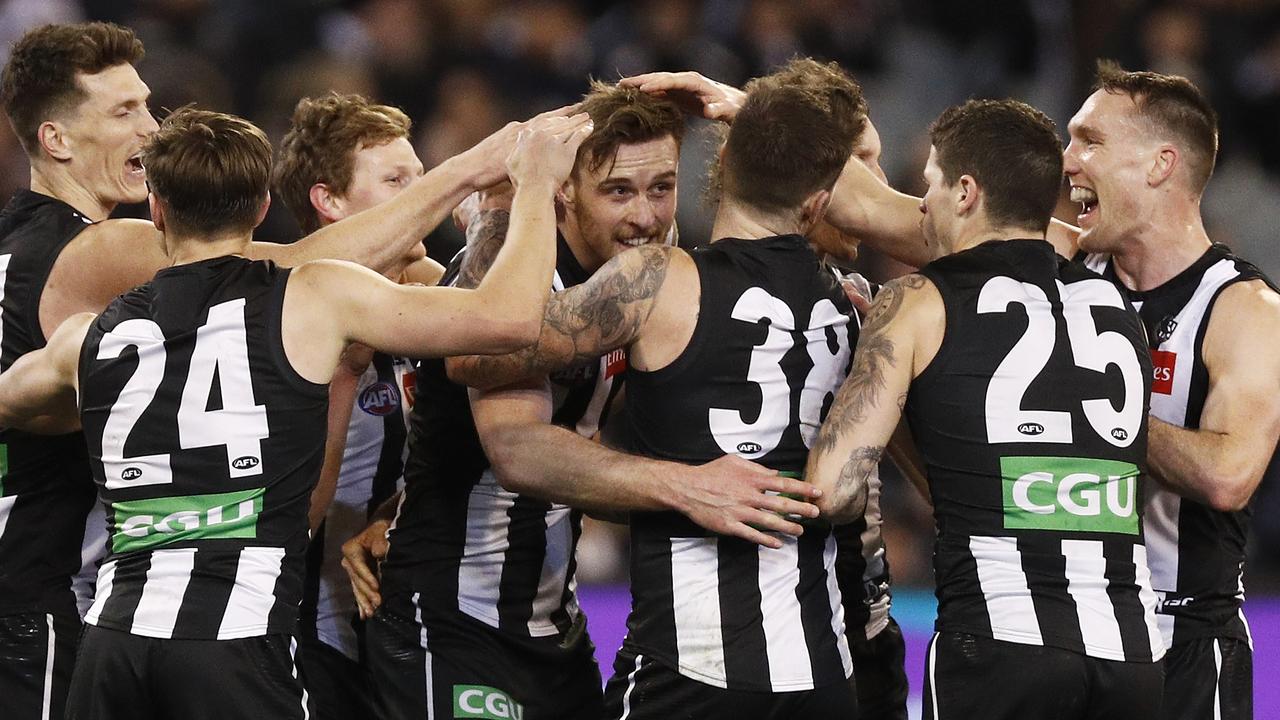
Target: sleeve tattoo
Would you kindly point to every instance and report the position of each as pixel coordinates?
(484, 239)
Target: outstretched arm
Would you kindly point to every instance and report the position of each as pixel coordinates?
(869, 404)
(38, 393)
(1221, 463)
(532, 456)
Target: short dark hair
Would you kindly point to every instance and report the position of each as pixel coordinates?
(1011, 149)
(1170, 104)
(624, 116)
(39, 80)
(211, 170)
(793, 135)
(322, 143)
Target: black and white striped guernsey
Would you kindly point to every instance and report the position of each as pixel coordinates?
(46, 489)
(206, 445)
(1031, 420)
(460, 541)
(772, 344)
(1196, 552)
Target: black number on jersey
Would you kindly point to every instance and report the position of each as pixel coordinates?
(221, 349)
(759, 438)
(1007, 421)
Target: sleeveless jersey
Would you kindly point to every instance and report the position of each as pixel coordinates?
(372, 470)
(206, 445)
(460, 540)
(772, 343)
(1197, 553)
(46, 489)
(1031, 420)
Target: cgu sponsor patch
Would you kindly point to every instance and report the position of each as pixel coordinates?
(481, 701)
(145, 524)
(1070, 494)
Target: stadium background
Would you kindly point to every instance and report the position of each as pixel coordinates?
(461, 68)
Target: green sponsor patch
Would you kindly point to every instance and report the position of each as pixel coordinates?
(144, 524)
(1070, 494)
(480, 701)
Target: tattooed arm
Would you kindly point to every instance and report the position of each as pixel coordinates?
(896, 342)
(582, 323)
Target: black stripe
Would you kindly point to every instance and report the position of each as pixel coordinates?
(851, 568)
(577, 397)
(308, 610)
(394, 436)
(522, 567)
(205, 601)
(1122, 588)
(815, 610)
(654, 618)
(1045, 568)
(740, 617)
(560, 616)
(126, 590)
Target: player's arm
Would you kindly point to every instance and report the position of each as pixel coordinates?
(362, 553)
(342, 397)
(869, 404)
(531, 456)
(1222, 462)
(423, 271)
(38, 393)
(379, 237)
(607, 312)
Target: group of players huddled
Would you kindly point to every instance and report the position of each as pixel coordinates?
(230, 437)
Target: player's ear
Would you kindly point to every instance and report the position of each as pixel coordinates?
(1163, 165)
(157, 211)
(328, 206)
(262, 211)
(968, 193)
(813, 209)
(53, 139)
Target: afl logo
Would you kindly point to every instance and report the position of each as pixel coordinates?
(749, 447)
(130, 473)
(1119, 433)
(380, 398)
(1031, 428)
(246, 462)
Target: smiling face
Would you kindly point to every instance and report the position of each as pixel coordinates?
(624, 203)
(105, 134)
(1107, 164)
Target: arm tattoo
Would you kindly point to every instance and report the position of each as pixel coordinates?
(485, 236)
(584, 322)
(873, 357)
(850, 495)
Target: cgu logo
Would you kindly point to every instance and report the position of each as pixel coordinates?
(749, 447)
(479, 701)
(1070, 494)
(245, 462)
(1031, 428)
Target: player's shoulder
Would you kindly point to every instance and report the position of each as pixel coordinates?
(1253, 300)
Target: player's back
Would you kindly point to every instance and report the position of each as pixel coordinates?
(771, 345)
(206, 445)
(1031, 419)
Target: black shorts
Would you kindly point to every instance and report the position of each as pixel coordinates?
(339, 686)
(1209, 678)
(969, 676)
(425, 667)
(643, 689)
(37, 652)
(119, 674)
(880, 674)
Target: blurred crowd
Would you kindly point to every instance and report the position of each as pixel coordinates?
(462, 68)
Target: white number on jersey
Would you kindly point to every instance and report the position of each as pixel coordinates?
(240, 425)
(1007, 421)
(759, 438)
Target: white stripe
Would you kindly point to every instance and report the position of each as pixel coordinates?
(253, 595)
(1086, 570)
(1147, 596)
(1013, 615)
(631, 685)
(426, 656)
(829, 553)
(6, 503)
(46, 704)
(106, 582)
(162, 592)
(1217, 679)
(1160, 533)
(589, 424)
(485, 549)
(555, 566)
(1248, 635)
(695, 593)
(784, 642)
(92, 551)
(293, 664)
(933, 677)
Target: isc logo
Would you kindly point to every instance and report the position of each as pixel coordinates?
(479, 701)
(1070, 494)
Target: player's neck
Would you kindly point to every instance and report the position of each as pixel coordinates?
(734, 220)
(183, 250)
(57, 183)
(974, 234)
(1161, 249)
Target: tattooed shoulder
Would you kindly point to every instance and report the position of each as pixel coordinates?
(485, 236)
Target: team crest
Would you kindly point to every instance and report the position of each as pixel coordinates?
(1167, 326)
(380, 398)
